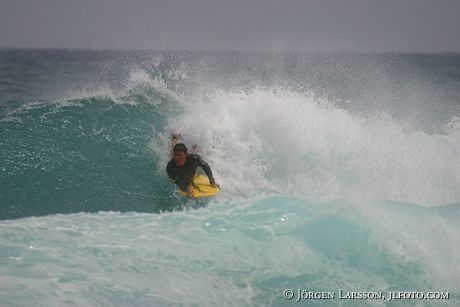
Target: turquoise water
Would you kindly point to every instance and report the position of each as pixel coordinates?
(337, 172)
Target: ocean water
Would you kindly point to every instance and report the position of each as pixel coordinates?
(340, 173)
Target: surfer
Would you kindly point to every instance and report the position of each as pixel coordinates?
(182, 167)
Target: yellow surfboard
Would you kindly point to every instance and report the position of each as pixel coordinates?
(202, 188)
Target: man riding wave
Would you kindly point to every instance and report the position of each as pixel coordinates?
(182, 167)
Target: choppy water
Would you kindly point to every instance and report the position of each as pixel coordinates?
(338, 171)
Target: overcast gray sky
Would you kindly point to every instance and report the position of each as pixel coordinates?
(311, 25)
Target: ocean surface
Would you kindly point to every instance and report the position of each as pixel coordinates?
(340, 173)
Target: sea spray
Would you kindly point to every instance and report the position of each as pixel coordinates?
(277, 141)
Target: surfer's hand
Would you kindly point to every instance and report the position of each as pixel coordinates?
(190, 191)
(215, 185)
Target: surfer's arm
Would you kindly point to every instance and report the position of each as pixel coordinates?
(207, 170)
(175, 140)
(182, 183)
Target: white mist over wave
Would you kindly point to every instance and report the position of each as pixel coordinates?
(138, 84)
(268, 141)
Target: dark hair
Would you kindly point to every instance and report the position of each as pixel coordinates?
(180, 147)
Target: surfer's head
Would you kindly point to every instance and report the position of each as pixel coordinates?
(180, 154)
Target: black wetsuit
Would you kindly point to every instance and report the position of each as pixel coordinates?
(183, 175)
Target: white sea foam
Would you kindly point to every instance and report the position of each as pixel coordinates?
(275, 141)
(240, 252)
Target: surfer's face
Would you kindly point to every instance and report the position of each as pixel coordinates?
(180, 157)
